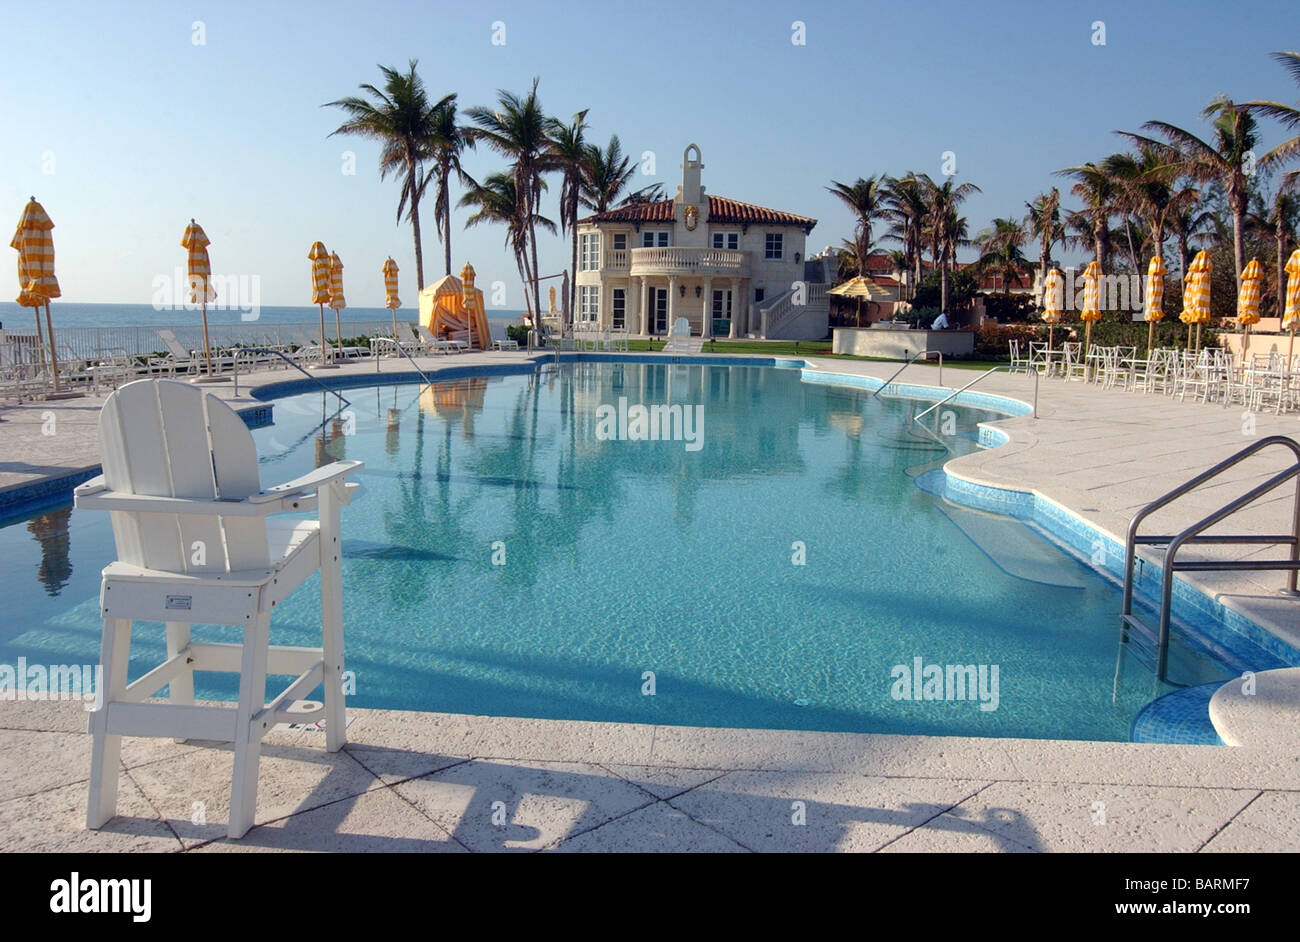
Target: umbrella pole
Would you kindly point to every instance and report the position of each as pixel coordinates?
(1245, 342)
(1051, 329)
(1151, 333)
(207, 347)
(394, 326)
(338, 333)
(40, 339)
(54, 356)
(322, 333)
(1087, 342)
(1198, 337)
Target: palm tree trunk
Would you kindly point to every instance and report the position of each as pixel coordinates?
(573, 252)
(413, 174)
(446, 222)
(419, 253)
(1281, 286)
(1238, 245)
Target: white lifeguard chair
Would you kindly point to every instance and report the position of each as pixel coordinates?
(195, 545)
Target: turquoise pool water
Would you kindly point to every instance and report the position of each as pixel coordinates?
(505, 557)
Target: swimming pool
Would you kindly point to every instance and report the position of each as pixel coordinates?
(516, 550)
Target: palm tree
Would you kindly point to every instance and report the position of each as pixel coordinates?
(1287, 114)
(1226, 161)
(517, 130)
(1000, 251)
(947, 227)
(1044, 222)
(1149, 183)
(606, 174)
(865, 199)
(1097, 189)
(1284, 217)
(448, 141)
(569, 151)
(1187, 219)
(402, 120)
(907, 205)
(496, 200)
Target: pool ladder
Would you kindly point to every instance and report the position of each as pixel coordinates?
(1151, 646)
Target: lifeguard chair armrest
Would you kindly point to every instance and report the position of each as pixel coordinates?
(299, 494)
(310, 482)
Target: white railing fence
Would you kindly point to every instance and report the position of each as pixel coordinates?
(781, 311)
(94, 342)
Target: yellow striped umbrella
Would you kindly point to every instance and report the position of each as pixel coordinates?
(199, 269)
(337, 301)
(1196, 294)
(320, 288)
(1248, 302)
(1091, 304)
(1155, 297)
(37, 283)
(1053, 301)
(391, 300)
(1291, 312)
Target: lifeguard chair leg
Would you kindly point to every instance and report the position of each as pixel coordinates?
(248, 740)
(106, 748)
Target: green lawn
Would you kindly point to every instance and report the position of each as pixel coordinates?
(820, 348)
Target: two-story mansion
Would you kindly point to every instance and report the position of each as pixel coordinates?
(643, 265)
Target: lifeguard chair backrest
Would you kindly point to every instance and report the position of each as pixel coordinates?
(162, 438)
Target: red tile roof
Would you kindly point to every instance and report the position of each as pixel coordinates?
(722, 211)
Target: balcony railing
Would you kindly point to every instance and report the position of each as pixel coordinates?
(675, 260)
(616, 259)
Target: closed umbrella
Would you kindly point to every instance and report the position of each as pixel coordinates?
(1196, 295)
(337, 301)
(320, 289)
(37, 284)
(1248, 302)
(200, 279)
(391, 300)
(1291, 312)
(1155, 297)
(1091, 305)
(1053, 302)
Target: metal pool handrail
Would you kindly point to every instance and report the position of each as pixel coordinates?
(923, 353)
(402, 351)
(995, 369)
(287, 359)
(1193, 534)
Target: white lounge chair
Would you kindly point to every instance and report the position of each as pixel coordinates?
(500, 340)
(680, 340)
(194, 545)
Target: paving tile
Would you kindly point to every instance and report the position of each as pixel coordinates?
(192, 791)
(1269, 824)
(663, 782)
(949, 834)
(819, 812)
(55, 820)
(659, 828)
(1103, 818)
(498, 805)
(36, 762)
(377, 821)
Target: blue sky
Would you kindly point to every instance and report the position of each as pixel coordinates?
(124, 128)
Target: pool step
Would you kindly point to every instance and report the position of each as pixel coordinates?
(1180, 717)
(1010, 544)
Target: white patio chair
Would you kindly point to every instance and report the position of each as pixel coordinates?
(1018, 361)
(680, 340)
(195, 546)
(500, 341)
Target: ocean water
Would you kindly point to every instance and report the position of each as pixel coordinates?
(510, 555)
(14, 317)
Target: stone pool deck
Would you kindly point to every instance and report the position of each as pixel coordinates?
(416, 781)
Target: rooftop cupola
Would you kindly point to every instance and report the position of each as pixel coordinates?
(691, 193)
